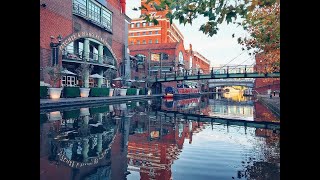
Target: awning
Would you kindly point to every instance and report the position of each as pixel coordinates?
(96, 76)
(65, 71)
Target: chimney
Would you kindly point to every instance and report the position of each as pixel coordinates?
(123, 6)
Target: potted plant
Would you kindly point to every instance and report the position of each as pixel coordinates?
(84, 71)
(110, 74)
(55, 75)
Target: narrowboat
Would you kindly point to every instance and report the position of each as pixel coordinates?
(181, 91)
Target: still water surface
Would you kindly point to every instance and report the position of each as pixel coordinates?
(139, 140)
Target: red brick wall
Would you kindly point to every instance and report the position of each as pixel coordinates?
(57, 19)
(114, 3)
(262, 84)
(161, 36)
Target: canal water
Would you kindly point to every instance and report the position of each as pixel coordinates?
(161, 139)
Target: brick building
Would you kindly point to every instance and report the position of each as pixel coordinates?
(147, 41)
(263, 84)
(91, 30)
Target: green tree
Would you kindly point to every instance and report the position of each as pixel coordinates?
(217, 11)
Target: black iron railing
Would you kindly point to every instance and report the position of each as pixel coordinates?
(91, 57)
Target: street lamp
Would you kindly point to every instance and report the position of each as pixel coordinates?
(55, 49)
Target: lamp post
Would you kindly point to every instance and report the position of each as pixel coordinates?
(55, 49)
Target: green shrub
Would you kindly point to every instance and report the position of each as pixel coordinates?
(142, 91)
(99, 92)
(71, 114)
(43, 92)
(101, 109)
(131, 91)
(71, 92)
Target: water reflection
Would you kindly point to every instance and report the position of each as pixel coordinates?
(134, 141)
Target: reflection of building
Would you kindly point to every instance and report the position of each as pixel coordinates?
(88, 30)
(77, 146)
(262, 113)
(155, 143)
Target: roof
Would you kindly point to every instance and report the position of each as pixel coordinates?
(137, 47)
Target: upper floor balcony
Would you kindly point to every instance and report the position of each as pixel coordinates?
(92, 58)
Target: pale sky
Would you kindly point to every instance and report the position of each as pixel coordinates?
(219, 49)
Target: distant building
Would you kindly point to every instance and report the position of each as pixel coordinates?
(147, 41)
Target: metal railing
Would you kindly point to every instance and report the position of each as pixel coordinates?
(90, 57)
(241, 70)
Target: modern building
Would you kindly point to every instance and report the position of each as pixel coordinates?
(73, 32)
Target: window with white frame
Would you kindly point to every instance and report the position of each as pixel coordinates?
(94, 11)
(138, 34)
(138, 25)
(144, 24)
(150, 41)
(138, 42)
(150, 23)
(132, 25)
(144, 42)
(143, 33)
(156, 32)
(157, 41)
(150, 32)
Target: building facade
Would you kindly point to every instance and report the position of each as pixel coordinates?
(73, 32)
(262, 85)
(159, 49)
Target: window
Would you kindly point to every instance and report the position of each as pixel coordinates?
(68, 81)
(131, 34)
(80, 7)
(132, 25)
(138, 42)
(144, 33)
(150, 23)
(131, 42)
(144, 42)
(157, 41)
(138, 25)
(106, 19)
(144, 24)
(150, 41)
(138, 34)
(150, 32)
(94, 11)
(156, 32)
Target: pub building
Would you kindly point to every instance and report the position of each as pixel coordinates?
(75, 31)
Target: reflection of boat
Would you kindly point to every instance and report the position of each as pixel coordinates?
(181, 91)
(186, 103)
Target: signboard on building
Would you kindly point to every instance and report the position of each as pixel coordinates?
(155, 57)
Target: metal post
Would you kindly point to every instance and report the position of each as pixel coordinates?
(199, 74)
(175, 75)
(212, 73)
(149, 59)
(161, 56)
(165, 76)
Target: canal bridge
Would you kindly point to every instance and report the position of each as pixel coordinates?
(227, 121)
(215, 73)
(248, 82)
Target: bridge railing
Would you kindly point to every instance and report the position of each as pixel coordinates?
(213, 71)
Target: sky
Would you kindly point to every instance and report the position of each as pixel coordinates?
(219, 49)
